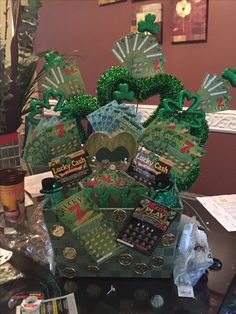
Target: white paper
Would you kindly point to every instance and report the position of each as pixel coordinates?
(185, 292)
(28, 201)
(33, 183)
(222, 208)
(5, 255)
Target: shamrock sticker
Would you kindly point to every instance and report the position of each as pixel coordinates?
(148, 25)
(123, 93)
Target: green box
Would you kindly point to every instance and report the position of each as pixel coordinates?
(73, 261)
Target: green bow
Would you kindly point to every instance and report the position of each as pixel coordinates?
(52, 59)
(123, 93)
(174, 109)
(148, 25)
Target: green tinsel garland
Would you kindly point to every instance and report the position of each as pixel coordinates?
(78, 107)
(166, 85)
(185, 182)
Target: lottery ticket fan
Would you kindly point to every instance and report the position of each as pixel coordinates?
(141, 54)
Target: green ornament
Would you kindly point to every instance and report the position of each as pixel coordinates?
(230, 75)
(148, 25)
(123, 93)
(78, 107)
(52, 60)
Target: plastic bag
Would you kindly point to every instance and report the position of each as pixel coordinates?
(30, 237)
(193, 255)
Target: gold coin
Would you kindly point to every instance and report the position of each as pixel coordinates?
(69, 272)
(69, 252)
(168, 239)
(125, 259)
(93, 270)
(140, 268)
(157, 261)
(119, 215)
(57, 231)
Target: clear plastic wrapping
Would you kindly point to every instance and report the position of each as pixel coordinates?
(30, 237)
(193, 255)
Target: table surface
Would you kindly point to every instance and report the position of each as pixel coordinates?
(134, 296)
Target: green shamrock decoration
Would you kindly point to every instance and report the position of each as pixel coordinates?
(123, 93)
(52, 59)
(37, 105)
(148, 25)
(230, 75)
(174, 109)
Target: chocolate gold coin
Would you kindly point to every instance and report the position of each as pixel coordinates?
(157, 301)
(57, 231)
(168, 239)
(119, 215)
(157, 261)
(69, 252)
(69, 272)
(140, 268)
(93, 270)
(125, 259)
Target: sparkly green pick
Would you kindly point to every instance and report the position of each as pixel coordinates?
(148, 25)
(123, 93)
(52, 59)
(230, 75)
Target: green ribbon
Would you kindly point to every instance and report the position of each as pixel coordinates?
(148, 25)
(174, 109)
(52, 60)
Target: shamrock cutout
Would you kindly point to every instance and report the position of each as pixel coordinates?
(230, 75)
(123, 93)
(148, 25)
(52, 93)
(37, 105)
(52, 59)
(174, 109)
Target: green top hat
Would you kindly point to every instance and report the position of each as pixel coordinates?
(50, 185)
